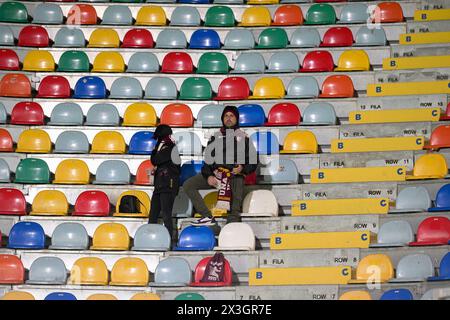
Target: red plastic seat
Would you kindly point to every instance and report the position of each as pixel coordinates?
(433, 231)
(200, 271)
(15, 85)
(138, 38)
(250, 179)
(54, 87)
(143, 172)
(6, 141)
(318, 61)
(177, 115)
(177, 62)
(233, 88)
(440, 138)
(9, 60)
(27, 113)
(388, 12)
(12, 202)
(33, 36)
(82, 14)
(446, 116)
(284, 114)
(337, 86)
(11, 269)
(337, 37)
(93, 203)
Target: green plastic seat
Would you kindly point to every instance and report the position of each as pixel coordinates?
(196, 88)
(73, 61)
(320, 13)
(189, 296)
(213, 63)
(14, 12)
(272, 38)
(219, 16)
(33, 171)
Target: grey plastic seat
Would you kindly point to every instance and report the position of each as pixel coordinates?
(304, 38)
(397, 233)
(102, 114)
(354, 13)
(143, 62)
(112, 172)
(249, 62)
(279, 171)
(126, 88)
(66, 114)
(117, 15)
(161, 88)
(185, 16)
(319, 113)
(414, 268)
(47, 270)
(171, 39)
(437, 294)
(188, 143)
(6, 36)
(182, 206)
(48, 13)
(72, 142)
(370, 37)
(5, 173)
(209, 116)
(3, 114)
(239, 39)
(69, 38)
(302, 88)
(412, 199)
(172, 272)
(228, 1)
(70, 236)
(152, 237)
(283, 62)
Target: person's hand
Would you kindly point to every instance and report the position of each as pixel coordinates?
(238, 169)
(213, 182)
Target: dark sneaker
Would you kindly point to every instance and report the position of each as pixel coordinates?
(205, 221)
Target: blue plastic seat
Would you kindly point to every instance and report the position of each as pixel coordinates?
(26, 235)
(265, 142)
(196, 239)
(142, 142)
(251, 115)
(190, 169)
(397, 294)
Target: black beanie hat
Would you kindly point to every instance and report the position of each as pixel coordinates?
(234, 110)
(161, 131)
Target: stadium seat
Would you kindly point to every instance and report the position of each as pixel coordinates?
(89, 271)
(260, 203)
(397, 294)
(189, 296)
(92, 204)
(204, 39)
(251, 115)
(177, 62)
(281, 171)
(432, 231)
(47, 271)
(33, 36)
(283, 114)
(429, 166)
(6, 36)
(82, 14)
(104, 38)
(196, 239)
(102, 296)
(26, 235)
(370, 37)
(60, 296)
(126, 88)
(213, 63)
(337, 86)
(374, 268)
(283, 62)
(185, 16)
(317, 61)
(442, 202)
(3, 114)
(320, 14)
(72, 142)
(239, 39)
(9, 60)
(200, 272)
(300, 141)
(12, 270)
(355, 295)
(108, 142)
(12, 202)
(108, 61)
(151, 16)
(152, 237)
(172, 272)
(444, 269)
(17, 296)
(72, 171)
(209, 116)
(305, 38)
(182, 206)
(5, 172)
(145, 296)
(319, 113)
(236, 236)
(268, 88)
(54, 87)
(129, 272)
(73, 61)
(354, 13)
(143, 62)
(117, 15)
(142, 142)
(345, 206)
(414, 268)
(34, 141)
(171, 39)
(233, 88)
(13, 12)
(219, 16)
(256, 17)
(188, 143)
(48, 13)
(412, 199)
(102, 114)
(288, 15)
(272, 38)
(138, 38)
(387, 12)
(111, 237)
(32, 171)
(439, 138)
(112, 172)
(396, 233)
(302, 87)
(179, 114)
(337, 37)
(15, 85)
(90, 88)
(265, 142)
(161, 88)
(143, 173)
(140, 115)
(27, 113)
(50, 203)
(249, 62)
(196, 88)
(353, 60)
(69, 236)
(143, 207)
(69, 38)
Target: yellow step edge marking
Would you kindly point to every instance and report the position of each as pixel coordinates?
(432, 15)
(371, 174)
(407, 88)
(393, 116)
(416, 62)
(340, 207)
(424, 37)
(299, 276)
(377, 144)
(321, 240)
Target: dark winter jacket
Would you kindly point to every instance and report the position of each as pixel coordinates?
(167, 175)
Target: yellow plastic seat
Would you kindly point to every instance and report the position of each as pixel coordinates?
(256, 17)
(110, 142)
(339, 207)
(144, 204)
(102, 296)
(268, 88)
(263, 1)
(89, 271)
(429, 166)
(424, 37)
(50, 203)
(355, 295)
(151, 16)
(109, 61)
(72, 171)
(374, 268)
(300, 141)
(34, 141)
(18, 295)
(408, 88)
(130, 272)
(111, 237)
(369, 174)
(38, 60)
(210, 200)
(104, 38)
(353, 60)
(377, 144)
(145, 296)
(140, 114)
(395, 116)
(405, 63)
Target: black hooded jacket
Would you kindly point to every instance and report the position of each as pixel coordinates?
(237, 147)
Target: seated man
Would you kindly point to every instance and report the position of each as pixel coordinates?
(229, 156)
